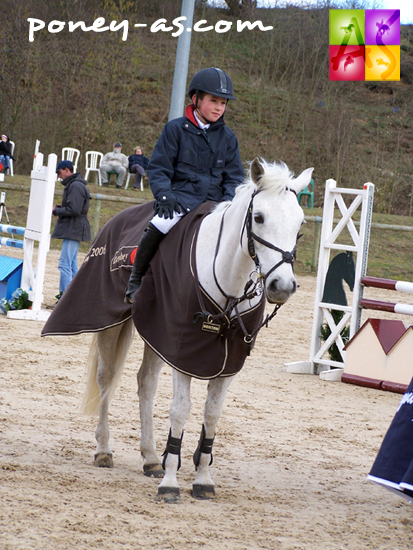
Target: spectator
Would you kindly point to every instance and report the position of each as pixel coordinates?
(138, 163)
(5, 152)
(114, 162)
(72, 224)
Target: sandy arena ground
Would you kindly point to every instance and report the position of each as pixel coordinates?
(290, 460)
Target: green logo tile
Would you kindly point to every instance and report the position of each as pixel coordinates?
(346, 27)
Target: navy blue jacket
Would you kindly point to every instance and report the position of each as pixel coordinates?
(72, 222)
(193, 165)
(138, 159)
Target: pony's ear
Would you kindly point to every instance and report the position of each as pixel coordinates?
(256, 170)
(302, 180)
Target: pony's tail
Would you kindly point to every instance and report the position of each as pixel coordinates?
(91, 399)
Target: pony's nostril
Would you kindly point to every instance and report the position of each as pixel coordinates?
(274, 286)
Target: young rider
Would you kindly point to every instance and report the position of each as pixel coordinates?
(196, 159)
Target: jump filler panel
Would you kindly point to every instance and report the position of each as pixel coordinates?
(364, 45)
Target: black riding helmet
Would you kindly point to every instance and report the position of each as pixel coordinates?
(212, 81)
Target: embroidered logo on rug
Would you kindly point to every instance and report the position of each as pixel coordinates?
(123, 257)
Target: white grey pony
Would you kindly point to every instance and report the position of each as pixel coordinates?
(269, 199)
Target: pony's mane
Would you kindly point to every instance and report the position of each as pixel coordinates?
(248, 186)
(276, 176)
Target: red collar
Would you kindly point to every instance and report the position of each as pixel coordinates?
(189, 113)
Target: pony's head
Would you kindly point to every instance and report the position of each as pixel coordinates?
(275, 221)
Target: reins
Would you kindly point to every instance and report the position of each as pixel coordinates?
(212, 323)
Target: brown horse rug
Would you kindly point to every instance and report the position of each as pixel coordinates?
(165, 308)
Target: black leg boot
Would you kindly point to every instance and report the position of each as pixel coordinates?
(147, 248)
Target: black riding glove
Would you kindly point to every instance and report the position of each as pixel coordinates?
(165, 207)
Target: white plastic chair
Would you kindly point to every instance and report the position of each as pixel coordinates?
(93, 160)
(69, 153)
(11, 160)
(129, 177)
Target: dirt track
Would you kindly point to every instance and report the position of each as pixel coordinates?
(290, 461)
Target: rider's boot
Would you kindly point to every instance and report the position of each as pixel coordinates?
(147, 248)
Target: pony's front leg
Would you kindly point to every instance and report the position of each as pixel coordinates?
(203, 486)
(168, 489)
(148, 377)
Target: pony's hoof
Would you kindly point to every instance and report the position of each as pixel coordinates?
(170, 495)
(103, 460)
(203, 492)
(153, 470)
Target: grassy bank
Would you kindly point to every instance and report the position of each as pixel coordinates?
(88, 90)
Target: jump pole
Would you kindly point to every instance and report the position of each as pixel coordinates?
(358, 199)
(391, 307)
(14, 230)
(37, 229)
(387, 284)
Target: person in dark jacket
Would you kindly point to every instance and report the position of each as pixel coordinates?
(5, 152)
(138, 163)
(196, 159)
(72, 224)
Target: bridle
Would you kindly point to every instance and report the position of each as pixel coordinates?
(252, 288)
(287, 257)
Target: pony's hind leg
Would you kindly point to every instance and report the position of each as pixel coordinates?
(168, 489)
(203, 486)
(113, 345)
(148, 376)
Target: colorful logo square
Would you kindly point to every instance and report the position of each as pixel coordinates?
(383, 27)
(385, 63)
(346, 27)
(364, 45)
(346, 62)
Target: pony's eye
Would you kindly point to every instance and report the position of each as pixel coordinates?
(258, 218)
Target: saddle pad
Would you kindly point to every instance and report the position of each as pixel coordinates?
(165, 304)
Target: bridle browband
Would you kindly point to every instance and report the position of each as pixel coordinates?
(252, 288)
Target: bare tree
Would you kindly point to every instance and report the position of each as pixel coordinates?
(236, 7)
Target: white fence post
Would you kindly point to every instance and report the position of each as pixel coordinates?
(39, 218)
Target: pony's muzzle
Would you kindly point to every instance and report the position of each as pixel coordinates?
(278, 290)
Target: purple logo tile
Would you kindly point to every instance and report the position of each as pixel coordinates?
(382, 27)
